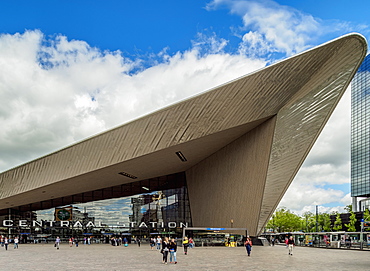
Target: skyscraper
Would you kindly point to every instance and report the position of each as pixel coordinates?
(360, 135)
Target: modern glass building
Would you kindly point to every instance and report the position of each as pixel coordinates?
(360, 133)
(163, 209)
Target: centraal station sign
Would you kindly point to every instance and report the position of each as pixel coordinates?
(90, 224)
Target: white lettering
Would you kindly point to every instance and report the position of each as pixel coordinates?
(132, 224)
(77, 224)
(64, 223)
(23, 223)
(172, 224)
(51, 223)
(153, 224)
(5, 223)
(34, 222)
(182, 225)
(90, 224)
(142, 224)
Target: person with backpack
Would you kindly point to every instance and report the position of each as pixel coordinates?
(248, 246)
(185, 244)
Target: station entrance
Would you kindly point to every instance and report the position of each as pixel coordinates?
(229, 237)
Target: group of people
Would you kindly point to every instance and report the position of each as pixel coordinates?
(5, 242)
(118, 241)
(169, 247)
(288, 241)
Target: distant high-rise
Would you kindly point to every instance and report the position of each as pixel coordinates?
(360, 134)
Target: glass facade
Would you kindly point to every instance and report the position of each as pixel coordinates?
(360, 131)
(162, 210)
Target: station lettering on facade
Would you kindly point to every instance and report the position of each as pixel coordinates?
(90, 224)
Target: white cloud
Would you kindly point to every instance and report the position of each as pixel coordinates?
(278, 27)
(56, 92)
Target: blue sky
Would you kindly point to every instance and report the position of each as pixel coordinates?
(78, 62)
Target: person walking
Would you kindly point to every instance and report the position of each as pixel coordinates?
(248, 246)
(165, 249)
(173, 249)
(57, 242)
(16, 241)
(138, 241)
(291, 244)
(185, 244)
(6, 243)
(159, 241)
(152, 243)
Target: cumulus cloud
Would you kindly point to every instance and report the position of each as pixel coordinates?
(55, 92)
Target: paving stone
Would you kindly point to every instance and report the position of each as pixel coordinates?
(106, 257)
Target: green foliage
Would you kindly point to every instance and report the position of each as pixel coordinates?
(348, 208)
(351, 225)
(366, 215)
(284, 221)
(337, 223)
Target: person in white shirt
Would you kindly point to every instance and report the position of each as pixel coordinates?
(16, 241)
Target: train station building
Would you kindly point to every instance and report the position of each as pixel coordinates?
(223, 158)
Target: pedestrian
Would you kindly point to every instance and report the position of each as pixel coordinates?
(125, 242)
(191, 242)
(70, 242)
(16, 241)
(248, 245)
(138, 241)
(76, 242)
(57, 242)
(173, 249)
(152, 243)
(272, 241)
(159, 241)
(6, 243)
(165, 249)
(291, 245)
(185, 244)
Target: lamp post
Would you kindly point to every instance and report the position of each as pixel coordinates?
(317, 217)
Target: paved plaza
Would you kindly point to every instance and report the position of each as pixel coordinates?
(106, 257)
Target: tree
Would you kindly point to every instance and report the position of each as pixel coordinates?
(337, 223)
(324, 222)
(284, 221)
(348, 208)
(352, 221)
(366, 217)
(309, 222)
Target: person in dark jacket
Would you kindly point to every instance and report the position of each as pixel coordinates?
(291, 245)
(173, 249)
(165, 249)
